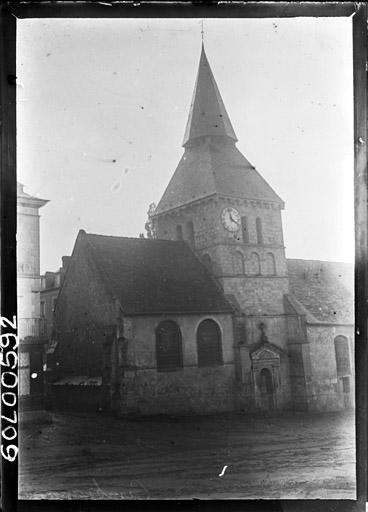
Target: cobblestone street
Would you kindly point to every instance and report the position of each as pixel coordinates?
(292, 456)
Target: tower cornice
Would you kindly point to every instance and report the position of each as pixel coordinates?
(268, 205)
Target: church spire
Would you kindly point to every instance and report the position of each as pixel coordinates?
(207, 114)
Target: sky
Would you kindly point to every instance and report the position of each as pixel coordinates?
(102, 106)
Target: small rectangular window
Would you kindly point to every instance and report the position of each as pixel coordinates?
(244, 225)
(259, 231)
(190, 230)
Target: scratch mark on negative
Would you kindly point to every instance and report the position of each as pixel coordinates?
(223, 471)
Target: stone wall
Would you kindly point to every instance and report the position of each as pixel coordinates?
(85, 322)
(206, 217)
(28, 240)
(28, 264)
(189, 389)
(326, 390)
(275, 328)
(258, 296)
(83, 299)
(209, 231)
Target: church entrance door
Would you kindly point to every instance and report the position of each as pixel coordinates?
(266, 376)
(266, 389)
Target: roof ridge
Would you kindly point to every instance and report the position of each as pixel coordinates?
(138, 239)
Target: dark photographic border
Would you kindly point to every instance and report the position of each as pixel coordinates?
(12, 10)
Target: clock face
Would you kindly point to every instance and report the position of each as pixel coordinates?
(230, 219)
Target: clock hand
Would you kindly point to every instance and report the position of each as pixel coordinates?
(231, 218)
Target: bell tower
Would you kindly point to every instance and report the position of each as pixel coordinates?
(220, 204)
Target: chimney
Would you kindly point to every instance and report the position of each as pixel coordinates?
(50, 279)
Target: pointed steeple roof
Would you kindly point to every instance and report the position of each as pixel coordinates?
(214, 165)
(207, 114)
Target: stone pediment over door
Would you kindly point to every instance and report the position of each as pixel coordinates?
(265, 353)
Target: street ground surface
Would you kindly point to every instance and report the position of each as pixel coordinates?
(289, 456)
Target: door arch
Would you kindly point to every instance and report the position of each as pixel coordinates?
(266, 388)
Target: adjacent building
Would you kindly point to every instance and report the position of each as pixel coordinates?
(209, 315)
(51, 283)
(31, 327)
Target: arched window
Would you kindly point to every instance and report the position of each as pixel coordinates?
(254, 264)
(179, 232)
(206, 259)
(209, 345)
(244, 224)
(342, 356)
(238, 263)
(270, 264)
(259, 231)
(190, 231)
(169, 352)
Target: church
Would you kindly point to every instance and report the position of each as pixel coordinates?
(207, 314)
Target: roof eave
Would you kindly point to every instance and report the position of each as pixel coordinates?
(179, 312)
